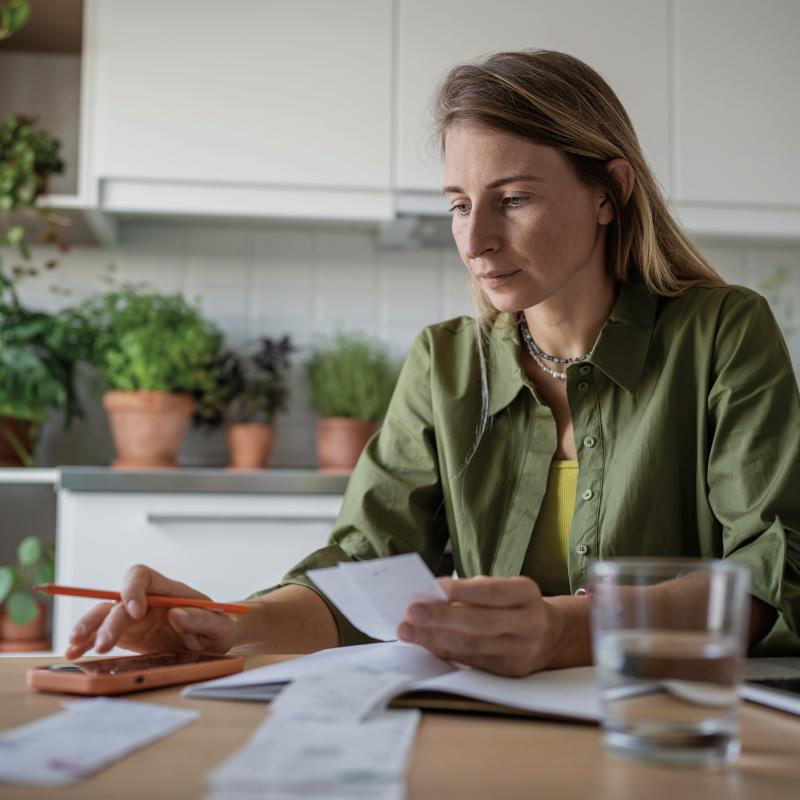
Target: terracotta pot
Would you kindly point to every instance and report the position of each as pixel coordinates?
(20, 428)
(33, 631)
(250, 445)
(147, 427)
(340, 441)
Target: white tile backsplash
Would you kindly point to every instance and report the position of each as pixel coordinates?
(308, 281)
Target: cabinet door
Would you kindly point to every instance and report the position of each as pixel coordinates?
(626, 41)
(226, 546)
(286, 92)
(738, 114)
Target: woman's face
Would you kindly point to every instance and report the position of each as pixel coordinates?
(524, 225)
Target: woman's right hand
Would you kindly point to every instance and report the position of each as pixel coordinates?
(134, 625)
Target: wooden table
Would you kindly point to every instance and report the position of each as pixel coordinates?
(455, 756)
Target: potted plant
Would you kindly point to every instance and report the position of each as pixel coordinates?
(23, 617)
(156, 354)
(38, 351)
(352, 379)
(250, 391)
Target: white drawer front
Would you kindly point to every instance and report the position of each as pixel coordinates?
(226, 546)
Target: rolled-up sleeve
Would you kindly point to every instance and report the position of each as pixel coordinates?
(393, 501)
(754, 455)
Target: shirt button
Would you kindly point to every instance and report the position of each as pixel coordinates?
(587, 494)
(581, 549)
(589, 441)
(583, 386)
(585, 369)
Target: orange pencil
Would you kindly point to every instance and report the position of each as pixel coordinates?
(152, 599)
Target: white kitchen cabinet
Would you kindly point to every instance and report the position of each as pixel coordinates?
(627, 41)
(738, 107)
(225, 545)
(279, 108)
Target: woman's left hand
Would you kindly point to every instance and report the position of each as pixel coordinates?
(501, 625)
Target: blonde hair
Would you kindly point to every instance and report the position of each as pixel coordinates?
(557, 100)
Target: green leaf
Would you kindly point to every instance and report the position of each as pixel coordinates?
(7, 577)
(22, 608)
(43, 574)
(351, 376)
(29, 550)
(20, 11)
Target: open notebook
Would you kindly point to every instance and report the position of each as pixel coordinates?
(433, 684)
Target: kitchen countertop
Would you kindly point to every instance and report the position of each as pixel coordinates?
(181, 480)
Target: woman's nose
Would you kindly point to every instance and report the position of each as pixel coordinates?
(480, 236)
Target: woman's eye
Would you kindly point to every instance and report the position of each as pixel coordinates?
(461, 208)
(514, 201)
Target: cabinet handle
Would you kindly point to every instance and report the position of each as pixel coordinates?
(167, 519)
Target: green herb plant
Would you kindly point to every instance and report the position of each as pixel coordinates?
(351, 376)
(35, 564)
(249, 388)
(147, 341)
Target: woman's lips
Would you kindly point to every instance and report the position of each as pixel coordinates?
(496, 278)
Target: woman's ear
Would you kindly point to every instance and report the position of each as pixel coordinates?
(623, 173)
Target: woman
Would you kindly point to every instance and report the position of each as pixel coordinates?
(614, 397)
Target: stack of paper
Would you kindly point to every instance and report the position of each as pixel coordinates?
(346, 695)
(374, 595)
(264, 683)
(86, 736)
(292, 757)
(566, 693)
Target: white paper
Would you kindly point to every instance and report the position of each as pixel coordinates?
(782, 667)
(755, 668)
(384, 657)
(349, 599)
(345, 791)
(86, 736)
(565, 692)
(375, 594)
(347, 695)
(307, 758)
(561, 692)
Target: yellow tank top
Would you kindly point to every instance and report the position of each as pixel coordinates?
(546, 559)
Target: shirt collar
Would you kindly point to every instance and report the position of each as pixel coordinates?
(620, 350)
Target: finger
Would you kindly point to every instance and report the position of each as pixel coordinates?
(198, 621)
(200, 629)
(502, 656)
(76, 649)
(86, 626)
(476, 621)
(112, 628)
(506, 665)
(453, 645)
(491, 592)
(141, 580)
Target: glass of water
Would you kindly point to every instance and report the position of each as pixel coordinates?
(668, 639)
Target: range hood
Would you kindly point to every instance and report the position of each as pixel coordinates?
(421, 219)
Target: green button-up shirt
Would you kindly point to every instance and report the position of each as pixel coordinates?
(687, 428)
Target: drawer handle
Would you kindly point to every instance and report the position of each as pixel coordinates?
(167, 519)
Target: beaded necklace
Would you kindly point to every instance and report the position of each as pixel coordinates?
(539, 356)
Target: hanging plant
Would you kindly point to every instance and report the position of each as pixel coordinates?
(13, 15)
